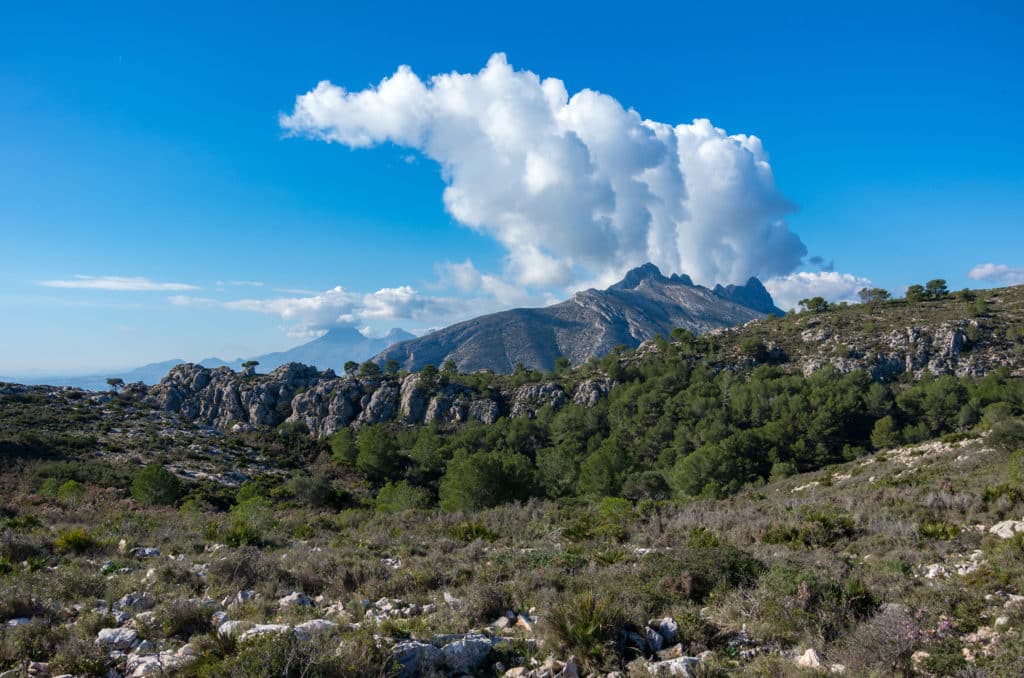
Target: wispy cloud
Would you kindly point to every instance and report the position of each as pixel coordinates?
(295, 290)
(310, 313)
(1000, 273)
(116, 283)
(189, 300)
(239, 283)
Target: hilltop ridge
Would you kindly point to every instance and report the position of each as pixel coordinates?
(643, 305)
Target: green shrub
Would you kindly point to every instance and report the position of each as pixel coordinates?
(1015, 468)
(402, 496)
(818, 527)
(475, 481)
(343, 447)
(184, 619)
(646, 485)
(50, 487)
(938, 530)
(704, 567)
(248, 490)
(284, 655)
(585, 626)
(315, 490)
(156, 486)
(614, 517)
(469, 531)
(1007, 436)
(1012, 492)
(249, 521)
(378, 456)
(782, 470)
(801, 604)
(71, 493)
(885, 434)
(291, 429)
(81, 656)
(77, 540)
(35, 641)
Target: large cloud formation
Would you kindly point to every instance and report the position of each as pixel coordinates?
(573, 187)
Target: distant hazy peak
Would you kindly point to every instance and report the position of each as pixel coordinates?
(346, 332)
(396, 334)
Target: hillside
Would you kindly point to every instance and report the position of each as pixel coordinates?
(900, 562)
(898, 339)
(641, 306)
(761, 500)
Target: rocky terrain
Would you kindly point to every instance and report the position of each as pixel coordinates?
(641, 306)
(325, 402)
(906, 558)
(697, 507)
(886, 342)
(961, 337)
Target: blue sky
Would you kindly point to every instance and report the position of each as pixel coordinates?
(142, 147)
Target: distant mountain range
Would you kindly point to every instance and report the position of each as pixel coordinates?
(149, 374)
(332, 350)
(642, 305)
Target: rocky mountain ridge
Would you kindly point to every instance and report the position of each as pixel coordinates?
(643, 305)
(933, 341)
(326, 402)
(950, 336)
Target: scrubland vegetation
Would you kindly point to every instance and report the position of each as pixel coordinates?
(715, 505)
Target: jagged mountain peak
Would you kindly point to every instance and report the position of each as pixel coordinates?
(642, 305)
(634, 277)
(752, 295)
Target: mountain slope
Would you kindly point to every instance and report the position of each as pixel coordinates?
(642, 305)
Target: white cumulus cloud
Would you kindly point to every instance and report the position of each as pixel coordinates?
(116, 283)
(999, 273)
(788, 290)
(390, 303)
(573, 187)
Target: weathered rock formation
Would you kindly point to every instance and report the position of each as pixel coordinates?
(326, 402)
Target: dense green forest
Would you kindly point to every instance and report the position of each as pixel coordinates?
(675, 426)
